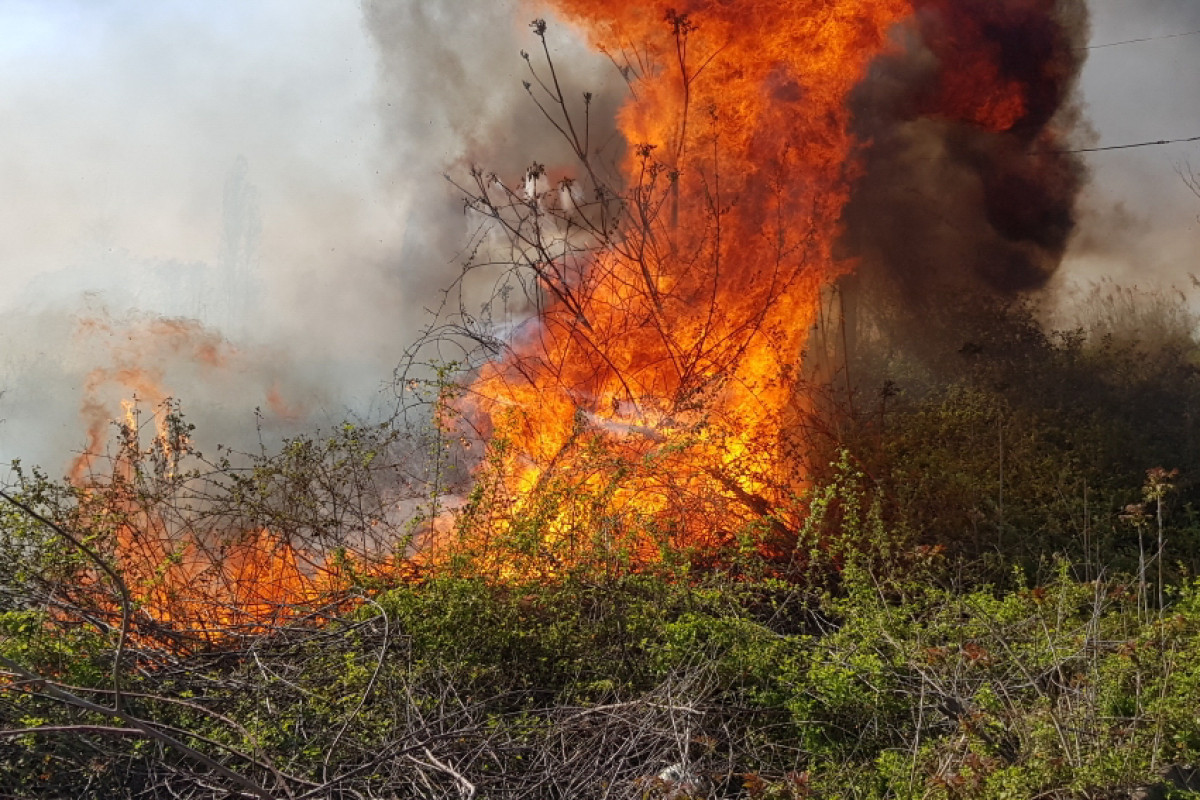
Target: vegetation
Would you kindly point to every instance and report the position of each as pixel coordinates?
(923, 638)
(981, 580)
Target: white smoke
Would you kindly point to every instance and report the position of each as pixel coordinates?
(271, 169)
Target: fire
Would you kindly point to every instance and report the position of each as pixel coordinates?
(138, 352)
(999, 59)
(674, 361)
(654, 401)
(252, 584)
(280, 406)
(193, 582)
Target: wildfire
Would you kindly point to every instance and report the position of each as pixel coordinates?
(137, 351)
(655, 399)
(195, 583)
(255, 583)
(192, 578)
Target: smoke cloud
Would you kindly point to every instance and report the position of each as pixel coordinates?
(266, 174)
(1138, 221)
(269, 173)
(966, 194)
(949, 211)
(452, 97)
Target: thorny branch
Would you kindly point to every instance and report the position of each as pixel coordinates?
(117, 581)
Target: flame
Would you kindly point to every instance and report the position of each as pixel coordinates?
(281, 407)
(253, 583)
(656, 397)
(192, 585)
(985, 50)
(138, 350)
(199, 587)
(656, 402)
(204, 586)
(678, 355)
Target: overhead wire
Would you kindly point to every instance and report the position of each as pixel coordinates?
(1135, 145)
(1158, 143)
(1138, 41)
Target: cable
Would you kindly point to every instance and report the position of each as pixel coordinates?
(1158, 143)
(1143, 39)
(1131, 146)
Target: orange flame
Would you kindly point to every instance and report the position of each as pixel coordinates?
(678, 354)
(200, 587)
(656, 397)
(652, 404)
(255, 583)
(204, 584)
(138, 350)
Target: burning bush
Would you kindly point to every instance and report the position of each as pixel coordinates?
(653, 360)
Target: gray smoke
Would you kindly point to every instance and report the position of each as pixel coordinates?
(265, 174)
(950, 214)
(452, 97)
(270, 173)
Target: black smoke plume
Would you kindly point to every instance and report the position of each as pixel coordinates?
(969, 188)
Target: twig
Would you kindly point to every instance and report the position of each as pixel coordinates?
(449, 770)
(142, 725)
(383, 648)
(122, 589)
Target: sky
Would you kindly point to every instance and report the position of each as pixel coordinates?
(1141, 224)
(272, 170)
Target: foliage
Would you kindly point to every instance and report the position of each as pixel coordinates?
(967, 572)
(893, 688)
(915, 635)
(1016, 444)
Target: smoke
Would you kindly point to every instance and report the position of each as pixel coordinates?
(951, 211)
(197, 163)
(271, 172)
(1138, 222)
(267, 174)
(452, 97)
(965, 193)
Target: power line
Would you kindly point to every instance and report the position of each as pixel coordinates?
(1158, 143)
(1143, 39)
